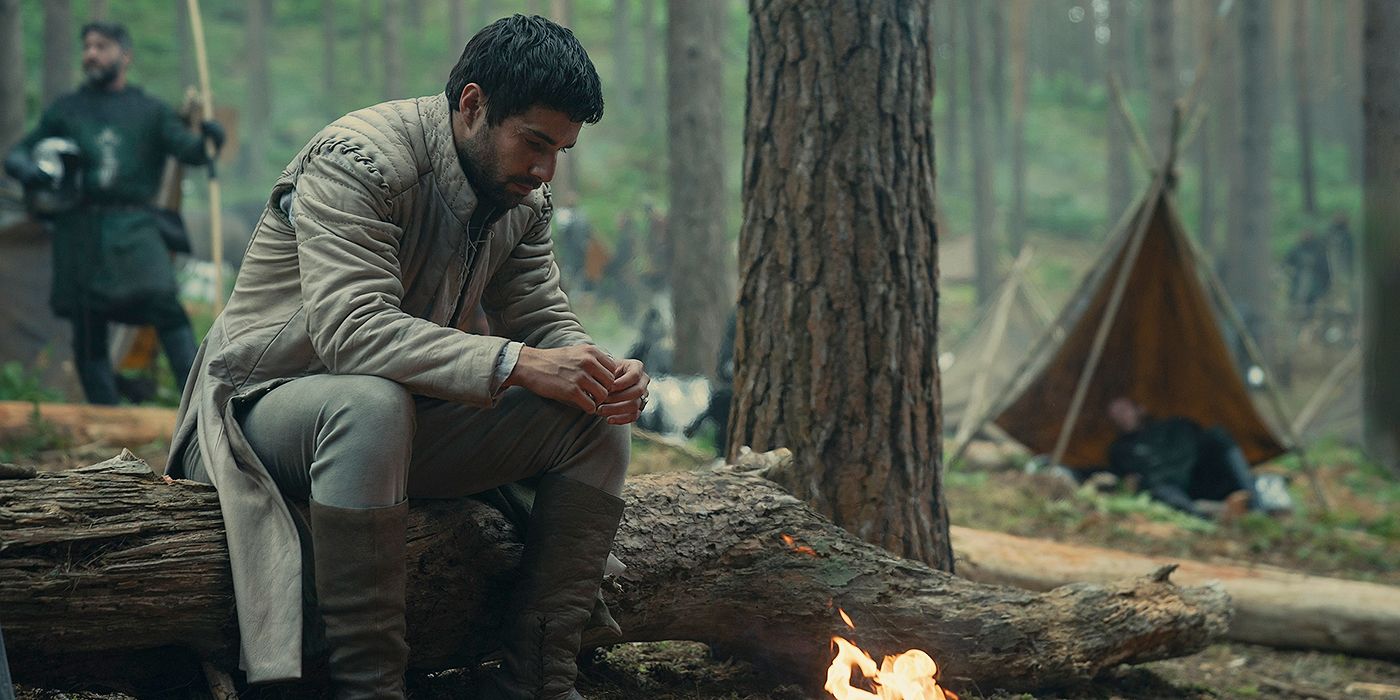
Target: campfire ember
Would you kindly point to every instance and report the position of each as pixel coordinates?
(912, 675)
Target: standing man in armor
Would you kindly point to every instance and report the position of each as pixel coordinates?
(110, 262)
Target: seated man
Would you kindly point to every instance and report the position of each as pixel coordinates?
(345, 372)
(1177, 461)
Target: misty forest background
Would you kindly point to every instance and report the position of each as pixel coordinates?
(1033, 72)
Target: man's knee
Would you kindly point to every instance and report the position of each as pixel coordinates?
(380, 406)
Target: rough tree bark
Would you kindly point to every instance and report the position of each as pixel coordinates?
(1120, 174)
(702, 278)
(984, 238)
(11, 75)
(838, 313)
(1248, 265)
(1161, 75)
(1381, 269)
(1302, 102)
(59, 49)
(91, 572)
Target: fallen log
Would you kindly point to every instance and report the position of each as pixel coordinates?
(110, 558)
(1273, 607)
(85, 424)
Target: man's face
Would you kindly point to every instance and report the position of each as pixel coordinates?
(504, 163)
(104, 60)
(1125, 414)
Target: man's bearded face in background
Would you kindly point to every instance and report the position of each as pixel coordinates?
(104, 60)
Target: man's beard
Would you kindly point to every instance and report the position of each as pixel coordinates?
(479, 161)
(101, 76)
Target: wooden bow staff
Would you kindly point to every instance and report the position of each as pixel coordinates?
(216, 229)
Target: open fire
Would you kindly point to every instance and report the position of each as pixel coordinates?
(912, 675)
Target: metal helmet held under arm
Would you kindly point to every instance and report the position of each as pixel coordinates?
(61, 159)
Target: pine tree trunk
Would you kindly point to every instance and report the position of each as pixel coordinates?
(984, 237)
(1302, 100)
(367, 32)
(1353, 64)
(1249, 263)
(835, 352)
(413, 12)
(259, 103)
(97, 9)
(1381, 323)
(393, 49)
(1016, 225)
(1226, 136)
(1204, 12)
(1162, 63)
(12, 91)
(185, 45)
(651, 94)
(328, 40)
(59, 49)
(950, 148)
(702, 281)
(622, 50)
(996, 80)
(1119, 168)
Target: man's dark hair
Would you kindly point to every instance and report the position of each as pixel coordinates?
(116, 31)
(520, 62)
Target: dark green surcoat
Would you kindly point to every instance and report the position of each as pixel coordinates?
(108, 255)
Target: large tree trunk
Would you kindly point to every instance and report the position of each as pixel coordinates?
(838, 316)
(259, 107)
(1381, 266)
(1248, 267)
(984, 238)
(1162, 75)
(11, 75)
(702, 278)
(1273, 607)
(1119, 169)
(59, 49)
(107, 561)
(1302, 100)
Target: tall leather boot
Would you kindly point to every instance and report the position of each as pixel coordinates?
(360, 577)
(566, 547)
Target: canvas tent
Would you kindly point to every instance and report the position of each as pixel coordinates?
(1145, 324)
(978, 366)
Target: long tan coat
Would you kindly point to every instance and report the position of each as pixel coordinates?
(365, 274)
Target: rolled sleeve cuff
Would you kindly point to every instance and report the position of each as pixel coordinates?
(505, 364)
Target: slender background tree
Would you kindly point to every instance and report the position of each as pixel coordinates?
(59, 52)
(1381, 343)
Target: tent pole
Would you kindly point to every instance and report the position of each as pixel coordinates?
(1251, 349)
(999, 322)
(1115, 299)
(1329, 384)
(1140, 145)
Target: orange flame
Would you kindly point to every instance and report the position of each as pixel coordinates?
(910, 676)
(792, 544)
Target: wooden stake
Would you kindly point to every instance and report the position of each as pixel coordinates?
(216, 229)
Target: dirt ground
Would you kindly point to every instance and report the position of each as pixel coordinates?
(1356, 538)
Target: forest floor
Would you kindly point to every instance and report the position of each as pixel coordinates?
(1358, 538)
